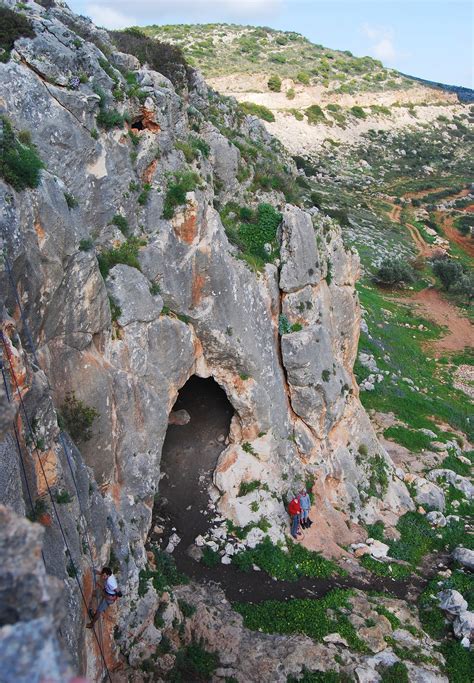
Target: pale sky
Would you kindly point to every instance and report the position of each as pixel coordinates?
(432, 39)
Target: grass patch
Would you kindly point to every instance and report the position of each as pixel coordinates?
(414, 441)
(459, 661)
(257, 110)
(308, 617)
(126, 253)
(402, 346)
(452, 462)
(289, 566)
(316, 677)
(392, 569)
(394, 621)
(248, 486)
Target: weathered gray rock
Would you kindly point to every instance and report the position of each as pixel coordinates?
(429, 494)
(130, 291)
(459, 482)
(463, 625)
(436, 518)
(464, 556)
(452, 601)
(301, 262)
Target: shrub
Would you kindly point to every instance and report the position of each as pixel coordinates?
(163, 577)
(248, 486)
(261, 231)
(109, 118)
(63, 497)
(126, 253)
(20, 165)
(358, 112)
(290, 94)
(71, 201)
(449, 271)
(193, 663)
(40, 508)
(121, 223)
(210, 558)
(162, 57)
(257, 110)
(274, 83)
(303, 77)
(394, 271)
(315, 114)
(77, 418)
(184, 181)
(86, 245)
(397, 673)
(143, 196)
(12, 27)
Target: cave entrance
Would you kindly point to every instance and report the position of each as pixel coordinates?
(189, 457)
(137, 125)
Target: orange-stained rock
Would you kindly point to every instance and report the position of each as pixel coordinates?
(149, 172)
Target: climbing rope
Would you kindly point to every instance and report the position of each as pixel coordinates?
(50, 493)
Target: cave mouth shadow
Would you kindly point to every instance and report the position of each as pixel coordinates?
(190, 453)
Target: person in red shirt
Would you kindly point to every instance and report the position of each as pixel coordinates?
(294, 510)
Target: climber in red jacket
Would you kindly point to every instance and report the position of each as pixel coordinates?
(294, 510)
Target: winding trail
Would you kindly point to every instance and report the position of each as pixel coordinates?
(190, 454)
(429, 301)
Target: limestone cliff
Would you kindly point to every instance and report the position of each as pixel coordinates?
(122, 318)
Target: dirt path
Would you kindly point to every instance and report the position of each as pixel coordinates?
(190, 453)
(460, 332)
(395, 213)
(453, 234)
(424, 249)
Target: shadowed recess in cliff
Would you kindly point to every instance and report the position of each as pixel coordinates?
(190, 454)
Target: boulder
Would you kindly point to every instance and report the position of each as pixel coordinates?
(436, 518)
(452, 601)
(429, 494)
(172, 543)
(378, 549)
(464, 556)
(463, 625)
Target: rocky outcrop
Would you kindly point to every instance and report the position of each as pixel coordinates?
(122, 318)
(30, 606)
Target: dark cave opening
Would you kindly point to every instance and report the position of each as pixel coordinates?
(189, 456)
(137, 125)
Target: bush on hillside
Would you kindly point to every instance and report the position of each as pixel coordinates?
(448, 270)
(394, 271)
(274, 83)
(315, 114)
(303, 78)
(257, 110)
(20, 164)
(162, 57)
(12, 27)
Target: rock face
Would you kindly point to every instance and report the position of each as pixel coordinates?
(30, 606)
(175, 302)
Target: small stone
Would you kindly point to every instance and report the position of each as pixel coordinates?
(199, 541)
(336, 638)
(225, 559)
